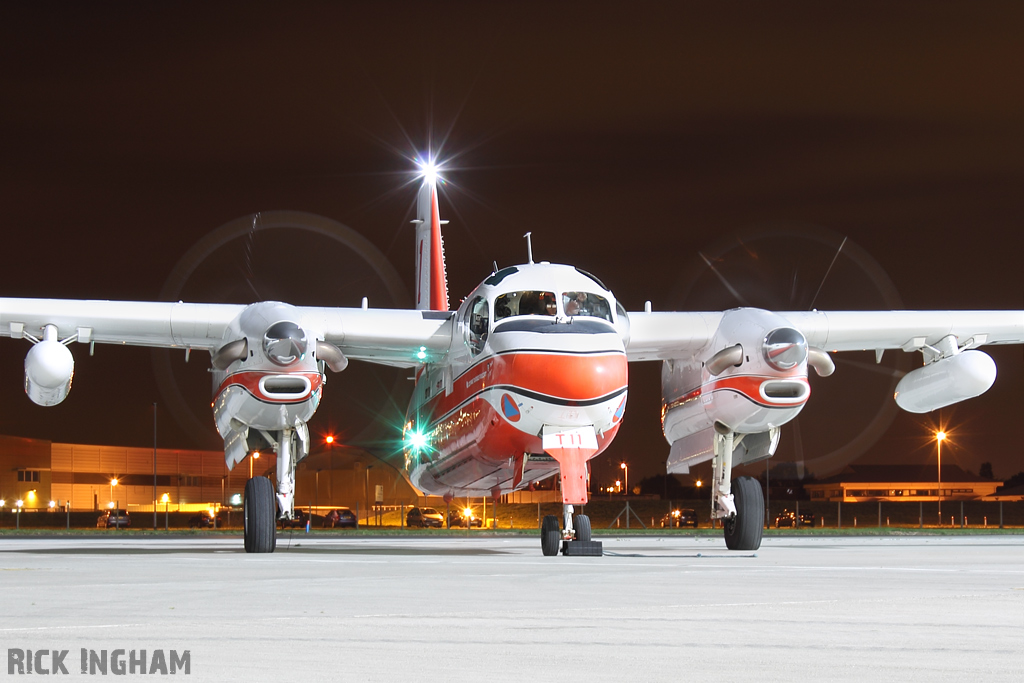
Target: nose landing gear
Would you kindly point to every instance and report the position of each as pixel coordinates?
(573, 540)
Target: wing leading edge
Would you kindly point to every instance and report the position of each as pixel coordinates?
(392, 337)
(669, 335)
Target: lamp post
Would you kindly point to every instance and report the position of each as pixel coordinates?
(113, 483)
(165, 499)
(18, 503)
(625, 468)
(255, 456)
(367, 490)
(940, 436)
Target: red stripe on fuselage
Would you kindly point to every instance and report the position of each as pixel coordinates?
(562, 376)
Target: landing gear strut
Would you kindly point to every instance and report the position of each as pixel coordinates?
(739, 502)
(262, 505)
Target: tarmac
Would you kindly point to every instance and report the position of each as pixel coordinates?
(492, 608)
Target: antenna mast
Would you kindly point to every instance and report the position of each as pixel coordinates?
(529, 248)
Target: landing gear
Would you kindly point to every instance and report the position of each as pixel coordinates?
(550, 535)
(743, 530)
(573, 539)
(260, 511)
(738, 502)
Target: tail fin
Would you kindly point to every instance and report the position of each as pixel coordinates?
(431, 278)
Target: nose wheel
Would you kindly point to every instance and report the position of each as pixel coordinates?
(550, 535)
(574, 539)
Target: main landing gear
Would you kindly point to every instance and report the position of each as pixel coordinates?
(262, 505)
(260, 511)
(738, 502)
(574, 539)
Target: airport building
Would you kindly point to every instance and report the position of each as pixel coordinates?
(89, 477)
(859, 483)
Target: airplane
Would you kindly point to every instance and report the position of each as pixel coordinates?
(525, 380)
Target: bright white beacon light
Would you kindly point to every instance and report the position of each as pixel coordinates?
(429, 169)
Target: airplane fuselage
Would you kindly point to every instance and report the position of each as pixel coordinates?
(520, 367)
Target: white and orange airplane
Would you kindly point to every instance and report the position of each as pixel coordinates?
(526, 380)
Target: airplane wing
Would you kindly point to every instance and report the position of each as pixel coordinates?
(667, 335)
(135, 323)
(393, 337)
(907, 330)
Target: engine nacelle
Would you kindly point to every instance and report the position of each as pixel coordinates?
(49, 368)
(945, 382)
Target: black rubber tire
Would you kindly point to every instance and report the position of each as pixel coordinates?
(581, 527)
(259, 513)
(743, 532)
(550, 535)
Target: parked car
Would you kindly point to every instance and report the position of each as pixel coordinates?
(298, 521)
(114, 518)
(342, 517)
(679, 518)
(204, 520)
(458, 517)
(789, 518)
(424, 517)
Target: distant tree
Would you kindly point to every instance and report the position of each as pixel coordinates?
(1015, 480)
(985, 471)
(665, 485)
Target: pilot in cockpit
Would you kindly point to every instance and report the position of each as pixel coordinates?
(575, 303)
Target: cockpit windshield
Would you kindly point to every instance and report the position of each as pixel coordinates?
(586, 304)
(525, 303)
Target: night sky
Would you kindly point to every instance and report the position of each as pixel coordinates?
(628, 137)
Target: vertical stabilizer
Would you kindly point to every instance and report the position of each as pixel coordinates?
(431, 278)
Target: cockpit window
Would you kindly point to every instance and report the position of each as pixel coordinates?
(586, 304)
(525, 303)
(476, 329)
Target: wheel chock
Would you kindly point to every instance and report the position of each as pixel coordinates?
(582, 548)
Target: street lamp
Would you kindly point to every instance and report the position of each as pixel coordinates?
(255, 456)
(625, 469)
(113, 483)
(367, 489)
(165, 499)
(940, 436)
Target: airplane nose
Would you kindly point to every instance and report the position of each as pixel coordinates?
(570, 377)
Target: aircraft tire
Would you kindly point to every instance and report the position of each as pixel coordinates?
(581, 524)
(550, 535)
(743, 532)
(260, 509)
